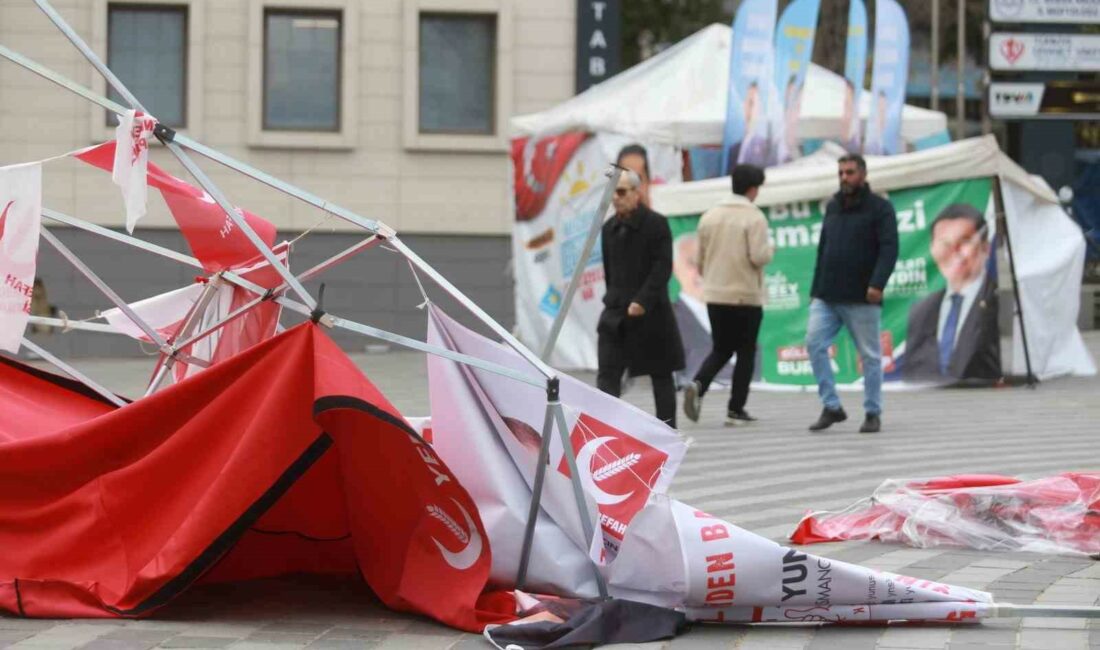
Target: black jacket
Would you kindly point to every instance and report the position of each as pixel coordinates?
(637, 262)
(977, 353)
(858, 247)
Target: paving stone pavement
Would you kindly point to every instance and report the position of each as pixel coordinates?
(762, 477)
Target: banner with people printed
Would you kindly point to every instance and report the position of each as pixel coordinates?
(944, 276)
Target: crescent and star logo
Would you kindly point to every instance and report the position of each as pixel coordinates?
(591, 478)
(468, 536)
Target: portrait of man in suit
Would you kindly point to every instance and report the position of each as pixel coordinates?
(953, 333)
(689, 308)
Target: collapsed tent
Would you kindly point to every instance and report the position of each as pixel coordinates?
(283, 459)
(1056, 514)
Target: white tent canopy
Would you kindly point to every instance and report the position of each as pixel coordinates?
(1048, 246)
(804, 181)
(678, 97)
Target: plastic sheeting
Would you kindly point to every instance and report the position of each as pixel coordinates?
(1056, 514)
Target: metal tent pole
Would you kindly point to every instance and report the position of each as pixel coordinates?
(166, 136)
(168, 359)
(554, 406)
(123, 306)
(372, 226)
(536, 498)
(72, 372)
(613, 174)
(62, 323)
(1002, 218)
(298, 307)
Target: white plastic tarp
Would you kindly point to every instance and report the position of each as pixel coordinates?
(678, 97)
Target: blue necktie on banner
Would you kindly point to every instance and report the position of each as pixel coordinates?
(947, 342)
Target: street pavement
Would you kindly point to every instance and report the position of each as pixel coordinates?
(762, 477)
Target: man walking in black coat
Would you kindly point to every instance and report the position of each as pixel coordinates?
(855, 257)
(637, 330)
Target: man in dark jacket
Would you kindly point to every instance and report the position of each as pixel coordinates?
(855, 256)
(637, 330)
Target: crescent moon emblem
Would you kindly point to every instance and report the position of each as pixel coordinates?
(584, 464)
(465, 558)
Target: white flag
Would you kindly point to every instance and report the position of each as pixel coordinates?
(132, 162)
(20, 220)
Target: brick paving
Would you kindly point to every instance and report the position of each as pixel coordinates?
(762, 477)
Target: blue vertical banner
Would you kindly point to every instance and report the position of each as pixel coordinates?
(855, 69)
(750, 85)
(888, 79)
(794, 47)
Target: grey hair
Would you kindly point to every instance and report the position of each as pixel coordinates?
(632, 177)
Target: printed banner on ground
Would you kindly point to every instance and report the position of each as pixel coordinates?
(917, 302)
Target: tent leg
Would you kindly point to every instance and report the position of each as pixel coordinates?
(1002, 218)
(168, 359)
(72, 372)
(578, 490)
(613, 174)
(202, 179)
(536, 498)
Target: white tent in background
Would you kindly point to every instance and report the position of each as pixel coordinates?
(678, 97)
(1048, 247)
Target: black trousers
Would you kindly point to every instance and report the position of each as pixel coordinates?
(609, 379)
(733, 330)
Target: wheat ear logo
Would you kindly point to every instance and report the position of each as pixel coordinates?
(468, 537)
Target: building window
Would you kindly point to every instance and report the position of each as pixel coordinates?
(147, 50)
(457, 73)
(301, 70)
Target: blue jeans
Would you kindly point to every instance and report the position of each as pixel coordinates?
(863, 322)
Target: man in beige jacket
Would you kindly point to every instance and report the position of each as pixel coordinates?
(733, 250)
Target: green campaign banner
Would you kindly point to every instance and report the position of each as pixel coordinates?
(794, 230)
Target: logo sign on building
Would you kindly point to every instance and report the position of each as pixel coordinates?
(1052, 100)
(1045, 11)
(1015, 51)
(599, 41)
(1015, 99)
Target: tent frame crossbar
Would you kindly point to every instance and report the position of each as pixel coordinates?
(308, 306)
(73, 372)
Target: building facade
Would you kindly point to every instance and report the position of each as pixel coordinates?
(395, 109)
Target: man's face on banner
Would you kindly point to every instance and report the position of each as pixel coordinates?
(685, 265)
(752, 102)
(847, 118)
(960, 251)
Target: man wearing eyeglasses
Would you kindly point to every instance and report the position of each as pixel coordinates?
(953, 333)
(856, 254)
(637, 330)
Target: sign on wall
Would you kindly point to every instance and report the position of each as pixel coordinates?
(1045, 11)
(1015, 51)
(1050, 100)
(599, 41)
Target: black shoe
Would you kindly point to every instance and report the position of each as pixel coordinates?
(828, 418)
(738, 417)
(692, 401)
(872, 424)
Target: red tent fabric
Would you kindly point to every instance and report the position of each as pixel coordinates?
(282, 459)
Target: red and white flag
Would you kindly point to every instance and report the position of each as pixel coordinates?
(213, 237)
(20, 222)
(132, 162)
